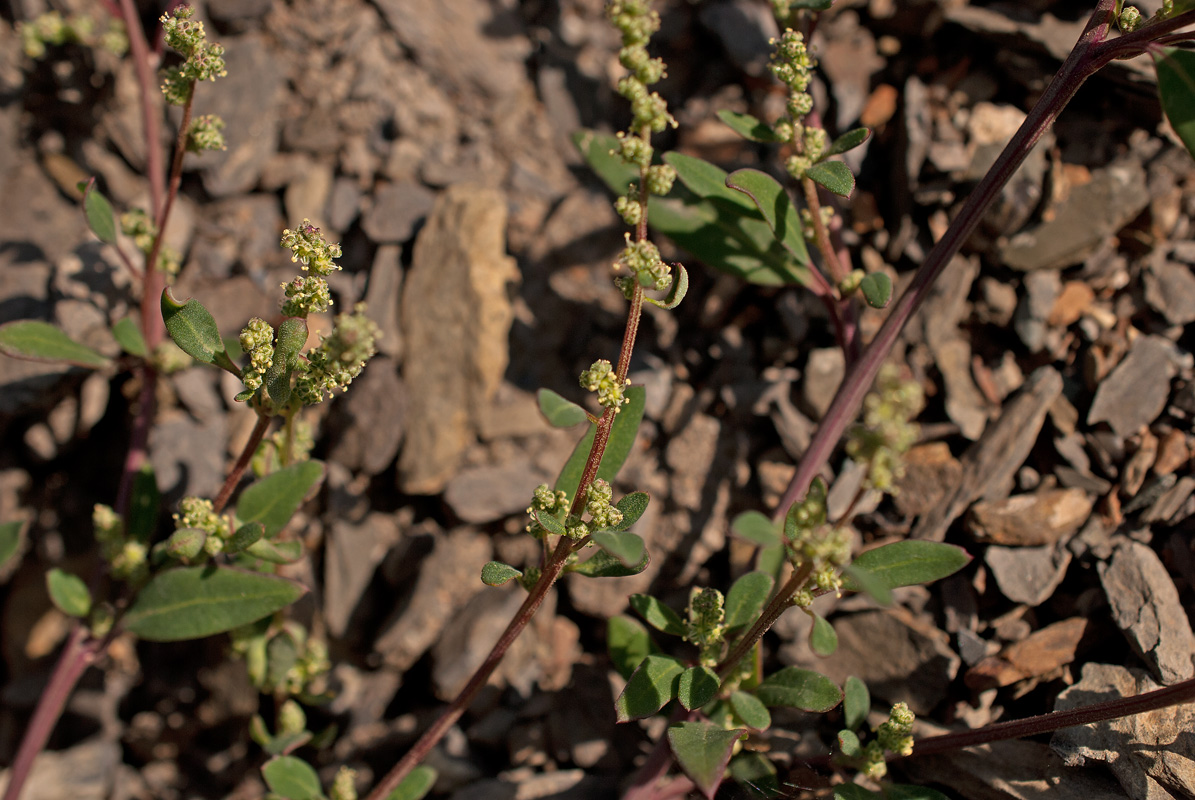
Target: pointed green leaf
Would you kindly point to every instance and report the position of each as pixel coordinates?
(193, 328)
(1176, 91)
(622, 439)
(275, 552)
(549, 522)
(604, 565)
(756, 527)
(658, 615)
(292, 778)
(856, 703)
(834, 175)
(680, 287)
(626, 547)
(632, 507)
(799, 688)
(69, 593)
(495, 573)
(755, 773)
(697, 686)
(747, 126)
(274, 499)
(128, 335)
(10, 541)
(292, 335)
(849, 744)
(627, 643)
(559, 413)
(194, 602)
(853, 791)
(33, 340)
(877, 289)
(141, 522)
(871, 585)
(416, 785)
(772, 559)
(775, 205)
(706, 180)
(702, 751)
(822, 639)
(649, 688)
(909, 563)
(848, 141)
(98, 211)
(746, 598)
(750, 710)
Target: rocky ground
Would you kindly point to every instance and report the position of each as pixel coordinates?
(423, 135)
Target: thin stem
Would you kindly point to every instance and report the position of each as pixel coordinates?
(820, 232)
(781, 602)
(242, 462)
(1046, 723)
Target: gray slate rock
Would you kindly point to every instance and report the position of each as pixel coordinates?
(396, 209)
(1135, 392)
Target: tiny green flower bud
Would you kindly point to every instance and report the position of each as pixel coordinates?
(342, 787)
(291, 718)
(186, 543)
(205, 134)
(601, 378)
(660, 179)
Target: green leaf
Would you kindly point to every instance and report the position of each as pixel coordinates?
(627, 643)
(848, 141)
(909, 563)
(653, 683)
(834, 175)
(680, 288)
(186, 543)
(292, 335)
(245, 537)
(746, 598)
(849, 744)
(903, 791)
(853, 791)
(657, 615)
(416, 785)
(707, 180)
(496, 573)
(141, 522)
(274, 499)
(69, 593)
(600, 152)
(869, 584)
(292, 778)
(775, 205)
(604, 565)
(285, 743)
(98, 211)
(756, 527)
(811, 5)
(549, 522)
(750, 710)
(193, 328)
(632, 507)
(1176, 91)
(747, 126)
(799, 688)
(559, 413)
(822, 639)
(877, 289)
(755, 773)
(697, 686)
(702, 751)
(856, 703)
(772, 560)
(10, 540)
(33, 340)
(128, 335)
(282, 653)
(626, 547)
(194, 602)
(276, 552)
(622, 439)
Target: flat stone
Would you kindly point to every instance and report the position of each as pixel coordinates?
(373, 414)
(1135, 392)
(1038, 656)
(492, 491)
(823, 374)
(1145, 605)
(965, 404)
(1028, 520)
(930, 471)
(1151, 754)
(1030, 321)
(1028, 575)
(1170, 289)
(352, 552)
(690, 455)
(83, 772)
(397, 207)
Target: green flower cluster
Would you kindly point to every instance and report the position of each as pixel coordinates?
(544, 501)
(887, 431)
(205, 134)
(792, 65)
(340, 357)
(137, 225)
(309, 294)
(203, 61)
(601, 378)
(642, 260)
(705, 627)
(257, 340)
(895, 736)
(197, 513)
(637, 21)
(812, 541)
(602, 513)
(126, 558)
(306, 295)
(343, 787)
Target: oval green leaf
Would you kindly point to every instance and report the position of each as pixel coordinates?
(1176, 91)
(192, 327)
(246, 536)
(705, 180)
(909, 563)
(622, 439)
(292, 778)
(627, 643)
(849, 744)
(33, 340)
(69, 593)
(750, 710)
(697, 686)
(292, 335)
(657, 615)
(773, 202)
(559, 412)
(194, 602)
(746, 598)
(274, 499)
(799, 688)
(275, 552)
(98, 212)
(856, 703)
(822, 638)
(653, 683)
(756, 527)
(834, 175)
(877, 289)
(626, 547)
(128, 335)
(416, 785)
(632, 507)
(604, 565)
(747, 126)
(495, 573)
(848, 141)
(702, 750)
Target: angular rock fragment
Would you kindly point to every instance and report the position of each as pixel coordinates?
(1028, 575)
(1029, 520)
(1135, 393)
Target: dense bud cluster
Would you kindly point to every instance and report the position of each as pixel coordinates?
(602, 513)
(887, 431)
(601, 378)
(340, 357)
(705, 627)
(257, 340)
(203, 61)
(205, 134)
(642, 260)
(894, 736)
(812, 541)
